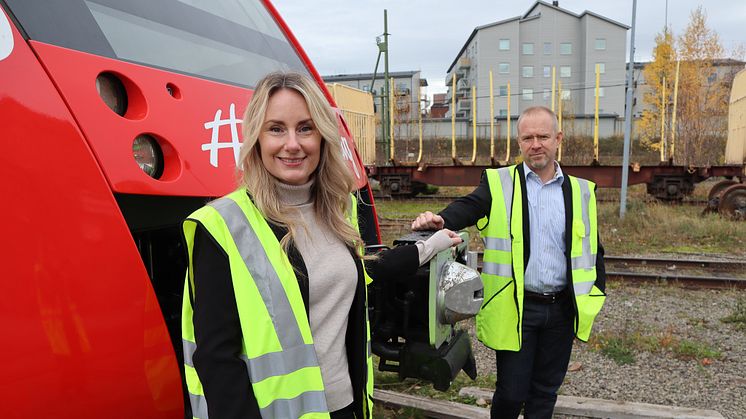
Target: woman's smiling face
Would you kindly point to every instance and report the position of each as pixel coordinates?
(289, 141)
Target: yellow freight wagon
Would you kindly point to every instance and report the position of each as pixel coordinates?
(357, 107)
(735, 148)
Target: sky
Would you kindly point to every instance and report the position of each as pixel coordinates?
(340, 35)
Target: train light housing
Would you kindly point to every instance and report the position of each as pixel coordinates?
(148, 155)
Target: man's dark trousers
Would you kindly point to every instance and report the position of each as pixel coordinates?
(534, 374)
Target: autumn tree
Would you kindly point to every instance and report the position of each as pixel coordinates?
(663, 67)
(701, 124)
(702, 103)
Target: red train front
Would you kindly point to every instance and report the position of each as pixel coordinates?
(119, 119)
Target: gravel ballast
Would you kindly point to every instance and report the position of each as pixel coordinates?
(667, 315)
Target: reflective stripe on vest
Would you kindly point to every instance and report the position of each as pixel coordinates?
(497, 249)
(286, 380)
(583, 256)
(588, 298)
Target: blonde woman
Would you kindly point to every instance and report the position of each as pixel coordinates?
(274, 322)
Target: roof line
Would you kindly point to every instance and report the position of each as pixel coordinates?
(579, 16)
(526, 16)
(474, 32)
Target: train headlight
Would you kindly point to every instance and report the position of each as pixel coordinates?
(148, 155)
(112, 92)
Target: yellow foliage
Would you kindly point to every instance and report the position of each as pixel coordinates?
(702, 102)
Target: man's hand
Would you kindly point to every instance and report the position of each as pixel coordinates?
(428, 221)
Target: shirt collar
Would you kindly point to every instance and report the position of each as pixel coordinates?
(558, 175)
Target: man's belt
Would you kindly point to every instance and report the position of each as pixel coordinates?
(544, 298)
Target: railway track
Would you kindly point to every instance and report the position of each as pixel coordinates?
(705, 273)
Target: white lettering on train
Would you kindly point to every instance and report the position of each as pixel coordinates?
(214, 145)
(6, 36)
(347, 153)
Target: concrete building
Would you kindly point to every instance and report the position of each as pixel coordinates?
(523, 50)
(409, 89)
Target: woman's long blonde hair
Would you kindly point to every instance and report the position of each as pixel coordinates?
(333, 180)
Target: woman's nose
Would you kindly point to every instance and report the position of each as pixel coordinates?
(291, 143)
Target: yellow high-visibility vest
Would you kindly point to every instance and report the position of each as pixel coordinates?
(499, 320)
(277, 345)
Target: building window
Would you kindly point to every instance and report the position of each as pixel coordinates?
(600, 43)
(566, 48)
(527, 94)
(366, 88)
(503, 68)
(527, 71)
(504, 45)
(528, 48)
(565, 71)
(601, 68)
(502, 91)
(565, 94)
(712, 77)
(547, 93)
(547, 48)
(601, 92)
(547, 71)
(502, 112)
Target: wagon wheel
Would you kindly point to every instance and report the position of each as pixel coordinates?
(733, 202)
(718, 188)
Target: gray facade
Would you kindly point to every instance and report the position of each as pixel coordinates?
(523, 50)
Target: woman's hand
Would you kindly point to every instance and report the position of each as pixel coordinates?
(443, 239)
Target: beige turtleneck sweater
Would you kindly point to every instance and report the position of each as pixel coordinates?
(332, 278)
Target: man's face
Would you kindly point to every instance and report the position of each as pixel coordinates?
(538, 141)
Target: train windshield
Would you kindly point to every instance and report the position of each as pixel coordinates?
(231, 41)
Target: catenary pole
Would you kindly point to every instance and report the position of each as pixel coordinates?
(628, 115)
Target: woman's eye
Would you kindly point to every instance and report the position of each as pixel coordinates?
(275, 129)
(305, 129)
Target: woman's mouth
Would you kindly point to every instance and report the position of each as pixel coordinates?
(291, 161)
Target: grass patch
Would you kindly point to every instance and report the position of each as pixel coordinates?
(618, 350)
(656, 227)
(622, 347)
(686, 349)
(405, 208)
(738, 316)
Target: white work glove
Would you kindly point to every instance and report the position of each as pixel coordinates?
(441, 240)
